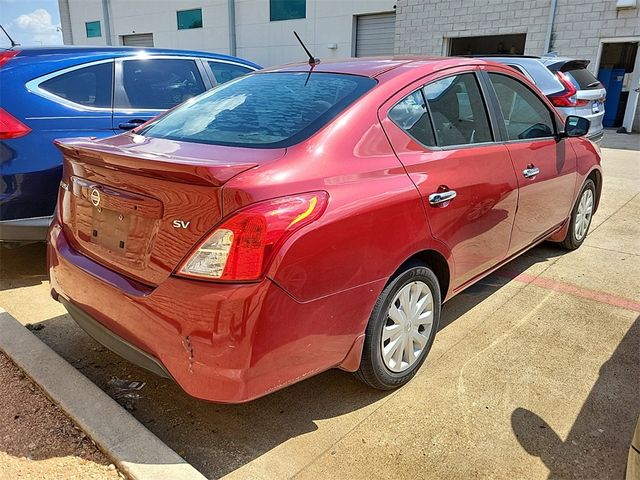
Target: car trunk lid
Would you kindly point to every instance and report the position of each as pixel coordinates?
(139, 205)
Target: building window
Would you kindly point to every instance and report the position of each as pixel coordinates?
(287, 9)
(93, 29)
(190, 19)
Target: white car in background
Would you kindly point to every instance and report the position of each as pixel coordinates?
(567, 83)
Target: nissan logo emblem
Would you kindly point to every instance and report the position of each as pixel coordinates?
(94, 196)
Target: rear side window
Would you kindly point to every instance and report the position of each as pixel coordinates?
(159, 84)
(525, 115)
(457, 110)
(223, 72)
(410, 114)
(582, 79)
(266, 110)
(90, 86)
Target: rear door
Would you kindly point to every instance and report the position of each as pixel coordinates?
(146, 87)
(545, 166)
(443, 135)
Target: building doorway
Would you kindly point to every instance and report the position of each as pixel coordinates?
(374, 34)
(619, 72)
(488, 45)
(138, 40)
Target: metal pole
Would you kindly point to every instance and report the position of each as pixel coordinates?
(552, 17)
(231, 6)
(107, 21)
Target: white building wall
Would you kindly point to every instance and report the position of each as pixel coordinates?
(257, 38)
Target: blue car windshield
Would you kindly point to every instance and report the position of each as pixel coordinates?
(261, 110)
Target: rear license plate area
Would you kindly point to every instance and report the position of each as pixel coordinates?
(110, 230)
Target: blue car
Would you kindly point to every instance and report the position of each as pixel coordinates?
(49, 93)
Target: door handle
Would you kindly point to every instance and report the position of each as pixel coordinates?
(530, 171)
(131, 124)
(440, 198)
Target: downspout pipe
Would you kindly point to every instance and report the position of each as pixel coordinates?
(552, 17)
(107, 21)
(231, 7)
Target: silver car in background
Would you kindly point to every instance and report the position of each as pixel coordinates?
(567, 83)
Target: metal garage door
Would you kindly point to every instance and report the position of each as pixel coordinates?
(138, 40)
(375, 34)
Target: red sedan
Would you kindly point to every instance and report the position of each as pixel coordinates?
(293, 221)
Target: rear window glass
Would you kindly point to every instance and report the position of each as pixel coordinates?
(582, 79)
(89, 86)
(266, 110)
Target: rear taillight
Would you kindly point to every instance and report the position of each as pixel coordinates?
(568, 97)
(241, 248)
(11, 127)
(7, 55)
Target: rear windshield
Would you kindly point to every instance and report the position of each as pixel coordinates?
(265, 110)
(582, 79)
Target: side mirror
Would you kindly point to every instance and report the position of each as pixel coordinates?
(575, 126)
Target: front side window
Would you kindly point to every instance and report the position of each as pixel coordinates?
(90, 86)
(287, 9)
(266, 110)
(525, 115)
(411, 115)
(189, 19)
(457, 110)
(93, 29)
(159, 84)
(223, 72)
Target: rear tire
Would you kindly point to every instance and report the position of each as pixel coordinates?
(401, 329)
(581, 216)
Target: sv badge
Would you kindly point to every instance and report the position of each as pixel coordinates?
(180, 224)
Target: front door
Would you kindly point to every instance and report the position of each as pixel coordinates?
(442, 135)
(545, 167)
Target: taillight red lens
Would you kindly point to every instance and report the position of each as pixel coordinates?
(11, 127)
(242, 247)
(566, 98)
(7, 55)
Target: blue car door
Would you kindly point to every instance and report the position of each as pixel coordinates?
(147, 86)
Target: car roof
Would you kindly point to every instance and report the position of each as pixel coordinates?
(101, 52)
(374, 66)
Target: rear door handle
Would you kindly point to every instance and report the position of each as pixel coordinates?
(530, 171)
(440, 198)
(131, 124)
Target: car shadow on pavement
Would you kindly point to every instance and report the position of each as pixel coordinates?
(606, 420)
(218, 439)
(22, 265)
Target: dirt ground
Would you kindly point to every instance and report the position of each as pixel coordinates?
(37, 440)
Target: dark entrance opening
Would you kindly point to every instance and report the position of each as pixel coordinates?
(488, 45)
(616, 66)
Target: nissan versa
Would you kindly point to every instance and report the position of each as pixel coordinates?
(295, 220)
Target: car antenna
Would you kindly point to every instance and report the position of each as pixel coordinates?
(313, 61)
(13, 43)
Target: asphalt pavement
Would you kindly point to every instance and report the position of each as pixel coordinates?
(535, 373)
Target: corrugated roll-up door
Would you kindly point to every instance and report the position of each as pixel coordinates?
(138, 40)
(375, 34)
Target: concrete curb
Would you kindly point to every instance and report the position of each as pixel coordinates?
(136, 451)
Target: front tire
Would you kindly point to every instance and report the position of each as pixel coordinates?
(581, 217)
(401, 329)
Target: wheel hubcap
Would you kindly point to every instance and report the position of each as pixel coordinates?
(408, 326)
(583, 215)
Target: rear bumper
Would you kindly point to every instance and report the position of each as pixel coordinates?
(219, 342)
(25, 229)
(596, 137)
